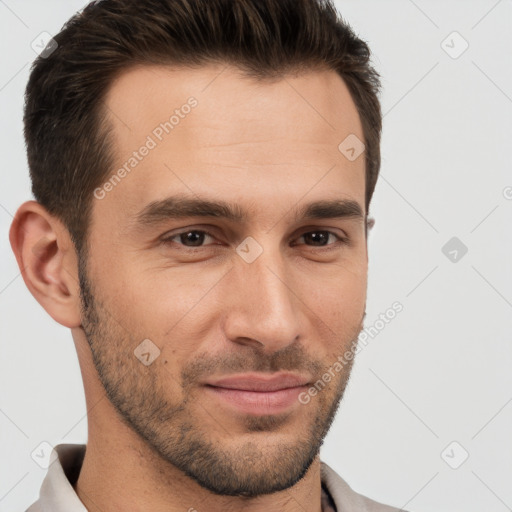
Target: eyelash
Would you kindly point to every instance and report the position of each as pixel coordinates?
(169, 239)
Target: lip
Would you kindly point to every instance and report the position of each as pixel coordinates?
(256, 394)
(260, 382)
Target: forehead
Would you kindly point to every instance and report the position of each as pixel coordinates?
(144, 96)
(213, 131)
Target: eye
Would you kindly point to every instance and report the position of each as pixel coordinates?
(189, 238)
(321, 238)
(192, 238)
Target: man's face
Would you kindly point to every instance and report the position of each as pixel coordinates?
(290, 299)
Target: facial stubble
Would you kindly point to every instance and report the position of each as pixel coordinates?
(247, 469)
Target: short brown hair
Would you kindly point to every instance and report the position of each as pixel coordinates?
(66, 124)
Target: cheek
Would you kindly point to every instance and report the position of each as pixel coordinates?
(337, 290)
(336, 307)
(168, 306)
(342, 310)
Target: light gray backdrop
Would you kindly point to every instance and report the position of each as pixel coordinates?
(426, 422)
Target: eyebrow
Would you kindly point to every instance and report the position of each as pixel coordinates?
(176, 207)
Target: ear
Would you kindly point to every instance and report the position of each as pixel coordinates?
(47, 259)
(370, 222)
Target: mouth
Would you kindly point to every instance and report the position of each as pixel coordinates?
(257, 394)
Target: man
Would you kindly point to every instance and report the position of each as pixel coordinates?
(202, 173)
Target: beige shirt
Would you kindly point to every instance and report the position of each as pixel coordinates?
(57, 493)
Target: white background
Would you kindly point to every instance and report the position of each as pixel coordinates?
(440, 371)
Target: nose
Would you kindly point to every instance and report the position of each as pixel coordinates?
(264, 304)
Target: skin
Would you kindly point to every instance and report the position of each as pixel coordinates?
(157, 441)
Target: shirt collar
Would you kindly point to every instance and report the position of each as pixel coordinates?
(57, 493)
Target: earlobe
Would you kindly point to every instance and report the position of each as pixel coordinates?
(47, 261)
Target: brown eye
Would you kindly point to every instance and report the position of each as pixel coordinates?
(190, 238)
(320, 238)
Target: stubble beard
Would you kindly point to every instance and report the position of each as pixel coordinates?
(247, 469)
